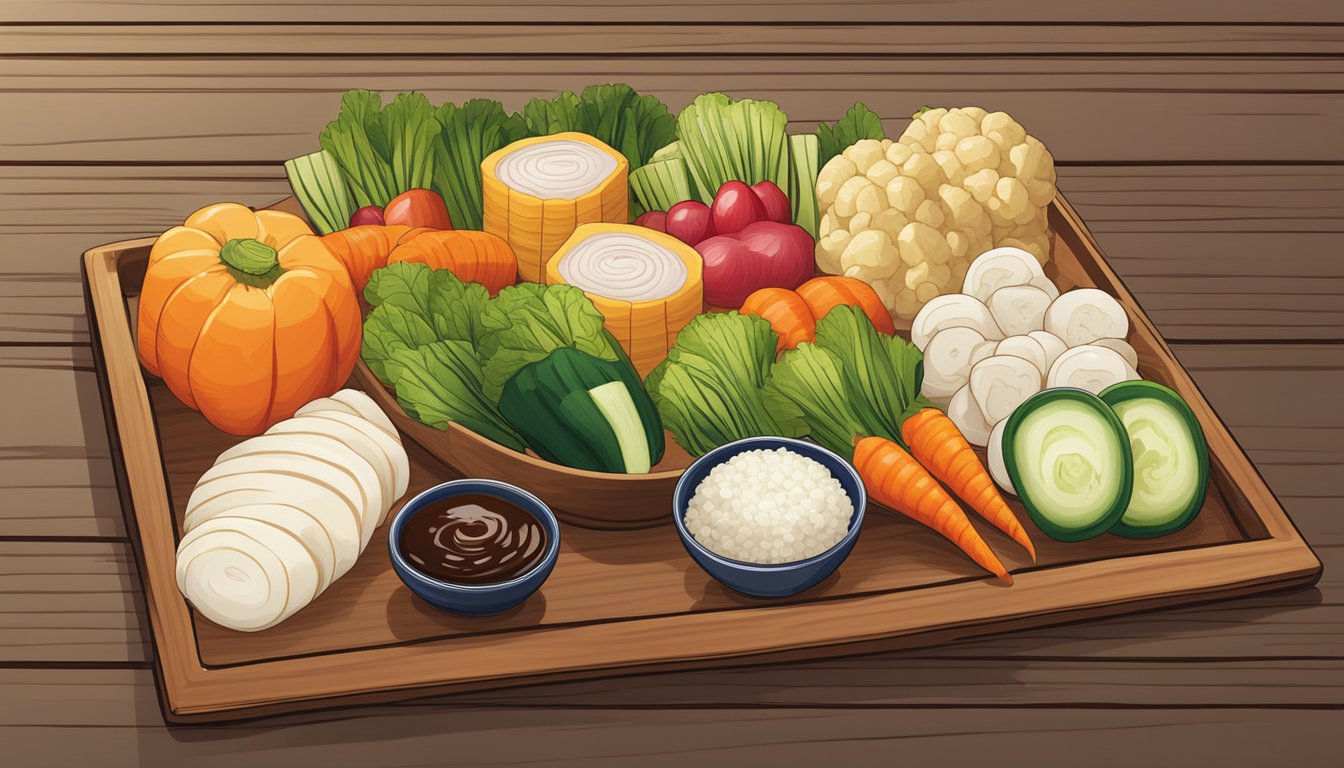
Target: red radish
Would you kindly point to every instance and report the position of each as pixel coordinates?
(418, 208)
(689, 222)
(763, 255)
(775, 201)
(655, 220)
(735, 206)
(369, 214)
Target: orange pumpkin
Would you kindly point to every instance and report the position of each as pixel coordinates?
(475, 257)
(247, 316)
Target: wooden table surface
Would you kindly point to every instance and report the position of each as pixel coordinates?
(1202, 141)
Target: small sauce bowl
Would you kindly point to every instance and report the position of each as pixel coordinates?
(770, 579)
(475, 599)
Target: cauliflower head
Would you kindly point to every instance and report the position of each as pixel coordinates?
(908, 216)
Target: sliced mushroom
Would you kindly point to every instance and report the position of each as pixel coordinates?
(947, 362)
(1019, 309)
(1052, 344)
(1091, 368)
(999, 268)
(1084, 315)
(1123, 347)
(981, 351)
(1026, 348)
(1000, 383)
(963, 412)
(998, 469)
(954, 310)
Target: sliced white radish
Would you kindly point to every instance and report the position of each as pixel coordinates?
(364, 407)
(313, 427)
(244, 574)
(947, 362)
(953, 310)
(1091, 368)
(964, 412)
(221, 496)
(998, 469)
(1120, 345)
(1019, 309)
(309, 453)
(390, 447)
(1052, 344)
(1000, 383)
(1026, 348)
(1084, 315)
(303, 525)
(999, 268)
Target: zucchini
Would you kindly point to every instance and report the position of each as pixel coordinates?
(1069, 459)
(585, 412)
(320, 188)
(1171, 458)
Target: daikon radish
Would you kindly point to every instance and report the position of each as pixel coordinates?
(355, 403)
(245, 574)
(536, 191)
(386, 455)
(307, 528)
(646, 284)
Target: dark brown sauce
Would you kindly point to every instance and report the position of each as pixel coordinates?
(473, 539)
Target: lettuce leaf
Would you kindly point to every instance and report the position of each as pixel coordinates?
(859, 123)
(383, 151)
(547, 116)
(807, 380)
(468, 134)
(722, 140)
(441, 382)
(525, 322)
(709, 391)
(451, 307)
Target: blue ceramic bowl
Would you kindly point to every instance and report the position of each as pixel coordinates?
(776, 580)
(475, 599)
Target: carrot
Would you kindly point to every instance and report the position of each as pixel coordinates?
(476, 257)
(894, 479)
(788, 314)
(937, 444)
(823, 294)
(363, 249)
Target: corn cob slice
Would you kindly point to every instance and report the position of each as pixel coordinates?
(646, 284)
(537, 190)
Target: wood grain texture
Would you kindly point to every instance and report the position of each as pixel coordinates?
(1086, 110)
(838, 36)
(645, 11)
(1201, 247)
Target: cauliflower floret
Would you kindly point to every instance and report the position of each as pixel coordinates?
(908, 216)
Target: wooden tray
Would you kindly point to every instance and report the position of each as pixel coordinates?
(633, 600)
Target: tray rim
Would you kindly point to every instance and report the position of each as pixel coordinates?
(191, 693)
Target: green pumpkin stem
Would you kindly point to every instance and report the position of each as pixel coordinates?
(251, 262)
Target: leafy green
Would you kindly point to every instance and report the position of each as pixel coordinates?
(451, 307)
(320, 188)
(441, 382)
(859, 122)
(547, 116)
(388, 329)
(468, 134)
(382, 151)
(803, 182)
(709, 390)
(722, 140)
(852, 382)
(525, 322)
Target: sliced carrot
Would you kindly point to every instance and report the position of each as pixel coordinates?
(823, 294)
(894, 479)
(937, 444)
(788, 314)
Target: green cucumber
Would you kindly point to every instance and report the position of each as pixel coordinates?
(1171, 458)
(320, 188)
(1069, 458)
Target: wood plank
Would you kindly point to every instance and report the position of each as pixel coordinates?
(56, 474)
(768, 38)
(1191, 242)
(1266, 12)
(266, 110)
(61, 717)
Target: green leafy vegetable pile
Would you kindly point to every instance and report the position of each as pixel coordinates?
(859, 123)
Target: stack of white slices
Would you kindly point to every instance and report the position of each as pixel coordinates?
(281, 516)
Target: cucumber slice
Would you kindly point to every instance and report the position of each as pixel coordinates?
(1171, 458)
(320, 189)
(1068, 457)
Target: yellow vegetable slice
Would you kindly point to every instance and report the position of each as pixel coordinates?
(646, 284)
(536, 191)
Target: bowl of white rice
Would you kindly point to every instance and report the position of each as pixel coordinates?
(769, 516)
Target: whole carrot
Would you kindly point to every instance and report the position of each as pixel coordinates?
(894, 479)
(936, 443)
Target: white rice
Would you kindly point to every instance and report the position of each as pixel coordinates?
(769, 506)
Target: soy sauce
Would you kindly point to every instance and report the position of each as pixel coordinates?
(473, 539)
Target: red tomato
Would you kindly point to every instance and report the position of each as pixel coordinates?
(418, 208)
